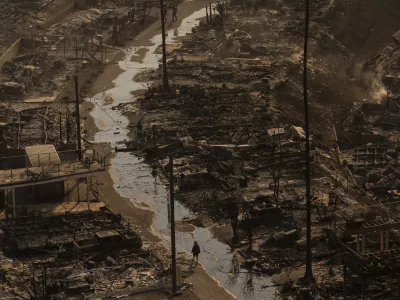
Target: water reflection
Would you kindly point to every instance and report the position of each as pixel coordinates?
(234, 272)
(249, 287)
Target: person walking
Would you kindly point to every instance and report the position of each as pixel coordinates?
(196, 251)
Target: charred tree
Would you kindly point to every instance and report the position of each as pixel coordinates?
(277, 168)
(234, 223)
(249, 231)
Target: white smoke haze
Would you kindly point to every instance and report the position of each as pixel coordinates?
(378, 93)
(372, 82)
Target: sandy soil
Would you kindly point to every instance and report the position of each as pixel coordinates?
(159, 296)
(205, 287)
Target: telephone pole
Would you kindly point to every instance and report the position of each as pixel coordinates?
(163, 10)
(60, 125)
(172, 208)
(309, 273)
(78, 118)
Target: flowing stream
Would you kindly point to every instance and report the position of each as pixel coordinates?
(133, 179)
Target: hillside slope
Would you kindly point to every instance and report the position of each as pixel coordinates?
(364, 26)
(348, 34)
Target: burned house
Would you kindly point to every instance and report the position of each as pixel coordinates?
(39, 173)
(100, 242)
(369, 243)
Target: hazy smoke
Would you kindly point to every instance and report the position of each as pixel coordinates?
(378, 92)
(372, 83)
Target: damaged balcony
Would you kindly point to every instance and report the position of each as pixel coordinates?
(49, 167)
(44, 176)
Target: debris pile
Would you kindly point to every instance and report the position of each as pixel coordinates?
(24, 125)
(71, 254)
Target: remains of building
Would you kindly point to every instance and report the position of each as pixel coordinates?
(91, 253)
(57, 239)
(233, 127)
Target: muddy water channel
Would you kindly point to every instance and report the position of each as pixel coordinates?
(132, 178)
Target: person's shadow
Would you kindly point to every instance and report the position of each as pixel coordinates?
(192, 267)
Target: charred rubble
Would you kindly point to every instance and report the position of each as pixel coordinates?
(234, 126)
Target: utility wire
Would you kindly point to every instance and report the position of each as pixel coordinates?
(112, 119)
(309, 273)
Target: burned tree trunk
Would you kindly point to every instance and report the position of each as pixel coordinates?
(234, 224)
(277, 169)
(249, 231)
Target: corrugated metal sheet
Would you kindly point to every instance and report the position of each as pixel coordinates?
(42, 155)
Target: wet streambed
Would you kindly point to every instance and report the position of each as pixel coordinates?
(132, 178)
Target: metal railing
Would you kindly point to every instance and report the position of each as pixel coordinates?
(49, 165)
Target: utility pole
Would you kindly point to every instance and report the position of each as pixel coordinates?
(164, 48)
(309, 273)
(60, 123)
(78, 118)
(172, 208)
(67, 128)
(249, 230)
(19, 131)
(76, 46)
(154, 135)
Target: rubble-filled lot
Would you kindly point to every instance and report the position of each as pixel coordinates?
(25, 125)
(40, 66)
(76, 251)
(70, 254)
(233, 122)
(37, 76)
